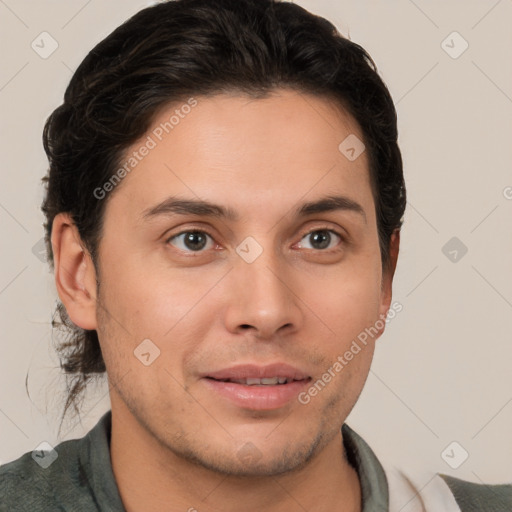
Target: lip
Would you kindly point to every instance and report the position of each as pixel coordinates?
(256, 397)
(247, 371)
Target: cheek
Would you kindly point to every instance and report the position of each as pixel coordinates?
(149, 300)
(169, 307)
(347, 301)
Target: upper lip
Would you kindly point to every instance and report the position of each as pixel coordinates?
(253, 371)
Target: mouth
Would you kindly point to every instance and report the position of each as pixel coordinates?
(268, 381)
(257, 388)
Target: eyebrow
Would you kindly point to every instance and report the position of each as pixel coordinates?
(329, 204)
(177, 206)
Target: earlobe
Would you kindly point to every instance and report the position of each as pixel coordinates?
(75, 276)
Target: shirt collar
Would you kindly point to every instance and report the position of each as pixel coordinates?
(374, 485)
(94, 456)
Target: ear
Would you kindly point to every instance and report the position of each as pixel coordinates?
(75, 276)
(388, 273)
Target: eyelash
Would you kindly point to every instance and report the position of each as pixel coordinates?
(303, 235)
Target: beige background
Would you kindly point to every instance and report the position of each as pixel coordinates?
(442, 369)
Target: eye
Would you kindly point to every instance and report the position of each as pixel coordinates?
(193, 241)
(321, 239)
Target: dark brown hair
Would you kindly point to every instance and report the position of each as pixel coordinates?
(177, 49)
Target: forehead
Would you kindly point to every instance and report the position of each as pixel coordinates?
(245, 152)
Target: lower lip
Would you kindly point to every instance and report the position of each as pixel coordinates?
(258, 398)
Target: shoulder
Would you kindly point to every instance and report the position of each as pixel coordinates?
(480, 497)
(75, 475)
(29, 482)
(23, 487)
(436, 492)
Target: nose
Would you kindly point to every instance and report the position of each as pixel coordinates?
(263, 301)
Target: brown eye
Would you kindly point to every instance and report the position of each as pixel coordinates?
(321, 239)
(193, 241)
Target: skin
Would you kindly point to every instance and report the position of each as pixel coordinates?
(175, 443)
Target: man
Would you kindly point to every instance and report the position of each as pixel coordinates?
(224, 204)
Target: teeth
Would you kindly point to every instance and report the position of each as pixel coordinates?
(269, 381)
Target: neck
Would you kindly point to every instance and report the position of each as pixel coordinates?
(152, 477)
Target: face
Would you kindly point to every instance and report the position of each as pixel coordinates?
(220, 250)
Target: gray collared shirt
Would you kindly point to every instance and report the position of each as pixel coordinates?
(80, 479)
